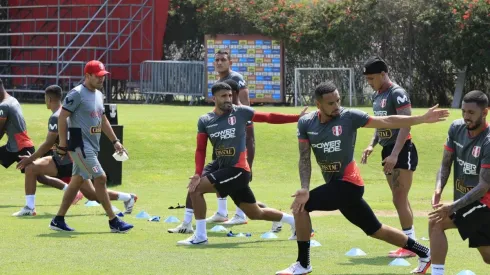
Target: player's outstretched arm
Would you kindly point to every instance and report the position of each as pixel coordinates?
(277, 118)
(433, 115)
(369, 150)
(443, 175)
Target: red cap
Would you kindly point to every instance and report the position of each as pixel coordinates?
(95, 67)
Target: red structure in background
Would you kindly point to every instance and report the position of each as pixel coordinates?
(118, 41)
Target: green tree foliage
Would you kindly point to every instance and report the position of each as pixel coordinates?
(424, 42)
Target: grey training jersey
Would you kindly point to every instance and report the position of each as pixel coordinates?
(386, 104)
(470, 155)
(333, 143)
(15, 125)
(227, 134)
(238, 78)
(85, 123)
(53, 128)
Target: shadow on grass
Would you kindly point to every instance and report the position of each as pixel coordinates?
(69, 235)
(378, 260)
(228, 245)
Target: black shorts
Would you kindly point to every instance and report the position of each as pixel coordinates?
(233, 182)
(8, 158)
(473, 223)
(407, 158)
(64, 171)
(346, 197)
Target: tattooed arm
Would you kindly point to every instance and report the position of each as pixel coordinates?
(304, 164)
(476, 193)
(445, 170)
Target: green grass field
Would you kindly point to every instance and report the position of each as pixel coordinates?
(161, 143)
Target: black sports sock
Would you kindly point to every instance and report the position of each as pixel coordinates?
(304, 253)
(417, 248)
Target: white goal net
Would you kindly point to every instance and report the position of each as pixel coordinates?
(306, 79)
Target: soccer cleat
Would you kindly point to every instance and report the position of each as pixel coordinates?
(128, 205)
(217, 217)
(119, 226)
(295, 269)
(77, 198)
(424, 264)
(401, 253)
(183, 228)
(25, 211)
(60, 225)
(192, 240)
(276, 227)
(236, 220)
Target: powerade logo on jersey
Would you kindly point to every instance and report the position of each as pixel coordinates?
(468, 168)
(328, 147)
(380, 113)
(225, 134)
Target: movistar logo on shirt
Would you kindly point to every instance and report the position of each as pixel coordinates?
(53, 127)
(400, 99)
(68, 101)
(328, 147)
(225, 134)
(1, 112)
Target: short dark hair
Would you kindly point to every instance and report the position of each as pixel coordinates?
(224, 53)
(375, 65)
(324, 88)
(478, 97)
(54, 91)
(233, 85)
(220, 86)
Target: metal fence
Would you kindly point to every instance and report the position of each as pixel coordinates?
(160, 79)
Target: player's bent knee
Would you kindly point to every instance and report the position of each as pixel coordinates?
(102, 179)
(31, 169)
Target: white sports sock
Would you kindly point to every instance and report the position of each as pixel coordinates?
(188, 215)
(66, 187)
(287, 219)
(222, 206)
(123, 196)
(410, 233)
(239, 212)
(30, 201)
(201, 229)
(437, 269)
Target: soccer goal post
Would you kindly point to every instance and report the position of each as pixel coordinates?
(306, 79)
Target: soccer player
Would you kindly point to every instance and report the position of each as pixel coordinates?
(84, 105)
(399, 155)
(225, 127)
(468, 147)
(37, 166)
(222, 63)
(13, 124)
(186, 226)
(331, 133)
